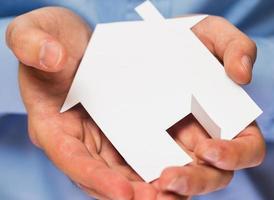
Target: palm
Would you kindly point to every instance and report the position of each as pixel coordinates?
(71, 139)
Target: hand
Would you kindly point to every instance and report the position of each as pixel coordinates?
(215, 160)
(71, 140)
(50, 43)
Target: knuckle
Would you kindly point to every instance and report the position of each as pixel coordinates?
(222, 151)
(217, 20)
(13, 30)
(9, 33)
(188, 186)
(189, 182)
(55, 10)
(227, 157)
(248, 43)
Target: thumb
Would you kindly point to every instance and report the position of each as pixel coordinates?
(230, 45)
(34, 47)
(239, 58)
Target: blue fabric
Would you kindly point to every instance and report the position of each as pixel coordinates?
(26, 174)
(10, 100)
(25, 170)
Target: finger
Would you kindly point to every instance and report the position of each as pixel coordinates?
(246, 150)
(239, 58)
(194, 179)
(188, 132)
(34, 47)
(75, 161)
(143, 191)
(163, 195)
(101, 148)
(230, 45)
(72, 157)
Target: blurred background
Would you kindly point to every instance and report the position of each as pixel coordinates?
(27, 174)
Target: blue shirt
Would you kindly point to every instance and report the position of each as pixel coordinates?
(254, 17)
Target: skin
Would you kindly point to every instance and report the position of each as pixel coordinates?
(50, 42)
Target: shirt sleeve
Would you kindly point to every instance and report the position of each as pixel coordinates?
(10, 100)
(261, 88)
(17, 7)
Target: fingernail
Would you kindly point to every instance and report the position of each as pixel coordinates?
(178, 185)
(50, 54)
(211, 156)
(246, 63)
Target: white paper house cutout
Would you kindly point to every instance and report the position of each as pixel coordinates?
(139, 78)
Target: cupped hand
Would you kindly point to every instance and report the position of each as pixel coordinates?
(215, 160)
(49, 43)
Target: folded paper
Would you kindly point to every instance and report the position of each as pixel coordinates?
(139, 78)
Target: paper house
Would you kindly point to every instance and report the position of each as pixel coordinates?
(139, 78)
